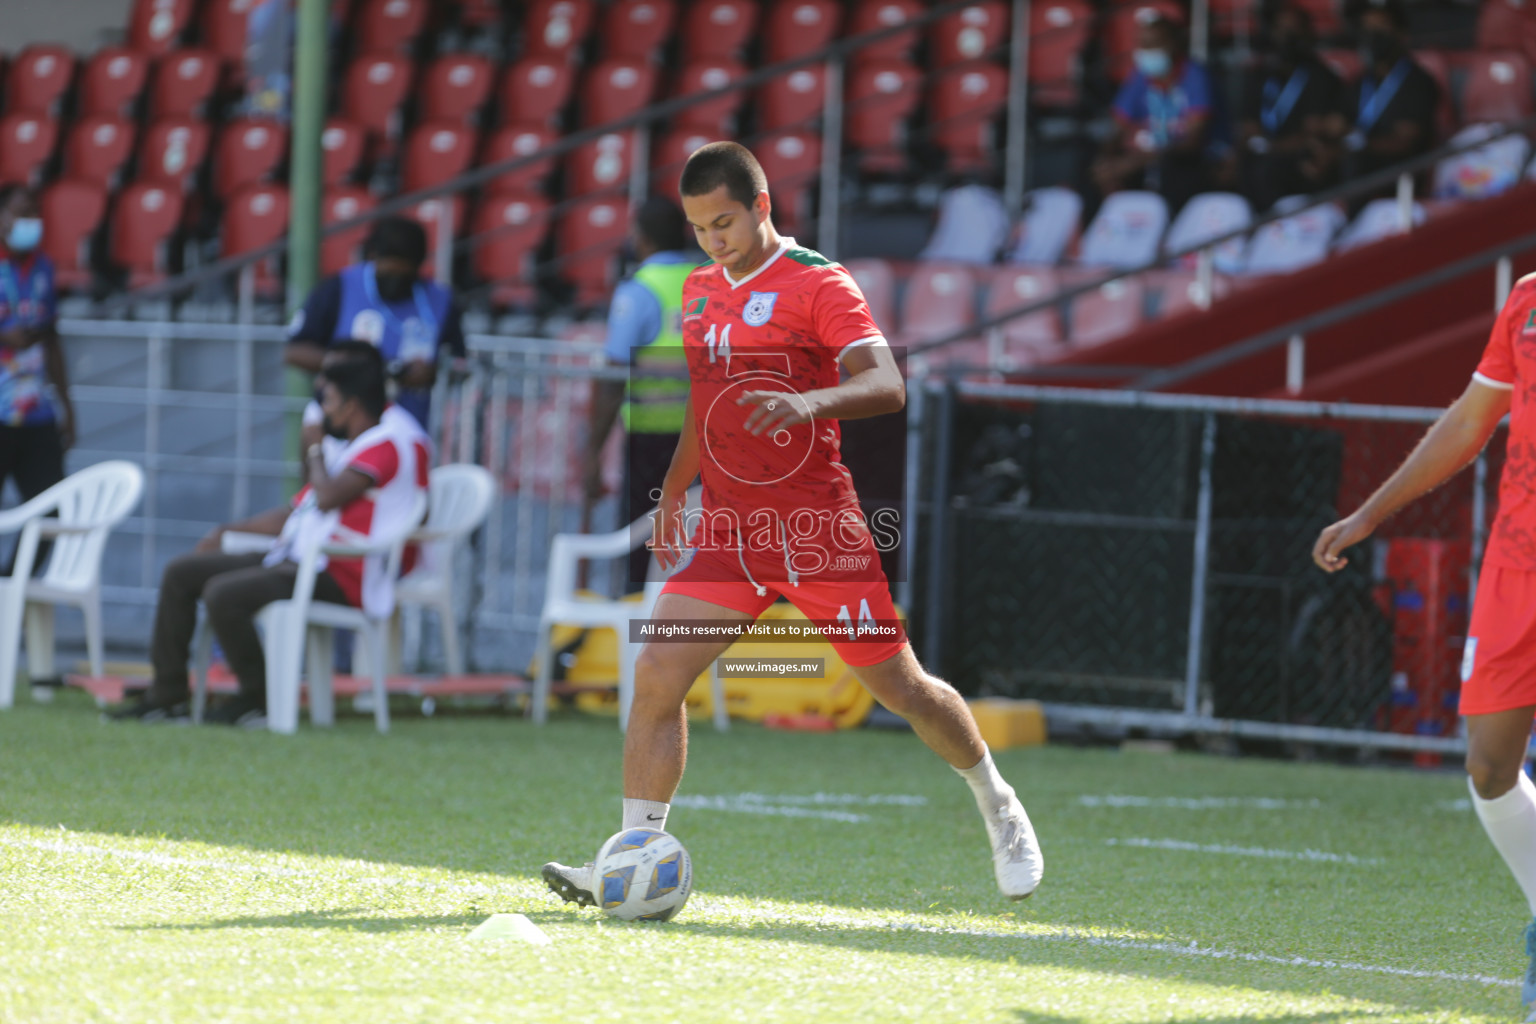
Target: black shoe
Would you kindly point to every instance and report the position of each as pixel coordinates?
(152, 706)
(243, 711)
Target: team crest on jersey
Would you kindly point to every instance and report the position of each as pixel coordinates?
(759, 308)
(695, 309)
(1530, 323)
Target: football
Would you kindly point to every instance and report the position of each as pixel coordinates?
(643, 874)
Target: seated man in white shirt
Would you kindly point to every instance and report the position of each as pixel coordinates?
(365, 477)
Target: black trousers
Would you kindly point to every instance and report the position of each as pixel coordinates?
(33, 458)
(233, 588)
(647, 459)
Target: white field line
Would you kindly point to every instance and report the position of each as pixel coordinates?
(769, 916)
(798, 805)
(1204, 803)
(1245, 851)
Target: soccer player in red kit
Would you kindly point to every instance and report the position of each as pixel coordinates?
(770, 329)
(1498, 667)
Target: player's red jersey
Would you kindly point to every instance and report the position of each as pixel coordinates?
(1510, 362)
(784, 327)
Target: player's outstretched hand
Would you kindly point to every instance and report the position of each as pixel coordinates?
(775, 410)
(667, 539)
(1347, 532)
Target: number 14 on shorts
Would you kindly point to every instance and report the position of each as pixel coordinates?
(867, 622)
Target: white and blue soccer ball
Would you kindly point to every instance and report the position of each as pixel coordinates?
(643, 874)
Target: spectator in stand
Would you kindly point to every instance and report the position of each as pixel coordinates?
(1165, 114)
(37, 419)
(1393, 105)
(364, 477)
(1287, 148)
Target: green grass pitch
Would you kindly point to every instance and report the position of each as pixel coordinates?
(165, 874)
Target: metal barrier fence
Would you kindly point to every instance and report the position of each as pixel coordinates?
(1142, 561)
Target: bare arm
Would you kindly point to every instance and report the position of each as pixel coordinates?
(333, 492)
(607, 396)
(269, 522)
(1446, 449)
(304, 355)
(874, 387)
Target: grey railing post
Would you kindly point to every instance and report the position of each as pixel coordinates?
(938, 533)
(831, 161)
(1295, 364)
(915, 412)
(1405, 203)
(1192, 658)
(442, 264)
(1503, 281)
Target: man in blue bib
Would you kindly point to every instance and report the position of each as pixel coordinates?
(36, 417)
(414, 323)
(1394, 103)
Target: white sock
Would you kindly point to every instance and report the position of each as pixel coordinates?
(986, 784)
(1510, 821)
(645, 814)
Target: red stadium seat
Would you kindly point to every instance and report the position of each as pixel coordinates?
(717, 29)
(112, 81)
(183, 83)
(1507, 25)
(587, 239)
(338, 205)
(224, 29)
(1122, 26)
(871, 15)
(39, 77)
(172, 150)
(602, 164)
(972, 33)
(508, 231)
(637, 28)
(612, 89)
(73, 211)
(1498, 88)
(1035, 337)
(515, 141)
(556, 28)
(963, 107)
(455, 87)
(1325, 14)
(155, 26)
(375, 88)
(795, 28)
(431, 213)
(536, 90)
(342, 145)
(249, 150)
(1438, 64)
(670, 152)
(877, 280)
(389, 24)
(792, 163)
(142, 222)
(881, 97)
(1178, 290)
(26, 145)
(255, 217)
(1106, 312)
(716, 115)
(435, 152)
(97, 147)
(1058, 31)
(940, 298)
(794, 100)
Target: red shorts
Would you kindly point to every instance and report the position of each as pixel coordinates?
(1498, 665)
(716, 576)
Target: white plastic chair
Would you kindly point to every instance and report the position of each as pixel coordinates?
(1207, 216)
(972, 227)
(88, 504)
(563, 606)
(461, 499)
(1048, 226)
(291, 627)
(1126, 231)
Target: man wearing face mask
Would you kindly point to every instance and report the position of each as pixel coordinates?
(37, 420)
(364, 477)
(1164, 116)
(415, 323)
(1393, 105)
(1285, 141)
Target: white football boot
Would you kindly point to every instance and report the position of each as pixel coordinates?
(574, 885)
(1016, 858)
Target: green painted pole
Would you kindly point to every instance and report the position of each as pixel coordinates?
(312, 32)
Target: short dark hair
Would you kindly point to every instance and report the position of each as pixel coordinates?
(1275, 11)
(356, 370)
(724, 163)
(662, 224)
(397, 238)
(1393, 9)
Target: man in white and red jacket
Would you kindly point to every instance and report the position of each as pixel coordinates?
(364, 479)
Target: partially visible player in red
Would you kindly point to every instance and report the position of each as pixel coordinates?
(780, 346)
(1498, 668)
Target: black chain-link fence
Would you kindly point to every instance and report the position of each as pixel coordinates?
(1097, 550)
